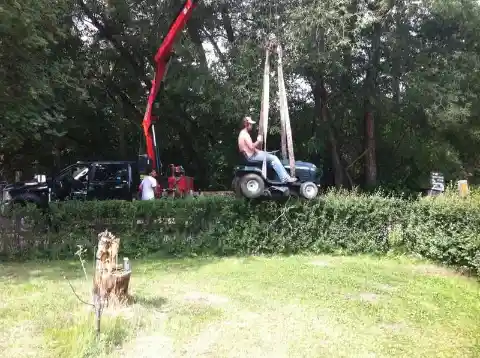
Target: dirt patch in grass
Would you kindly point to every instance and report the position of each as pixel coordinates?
(205, 298)
(147, 346)
(386, 287)
(394, 327)
(264, 334)
(433, 270)
(368, 297)
(20, 340)
(203, 345)
(320, 263)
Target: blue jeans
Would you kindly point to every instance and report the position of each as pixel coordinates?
(273, 160)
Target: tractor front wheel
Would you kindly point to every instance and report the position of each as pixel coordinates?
(308, 190)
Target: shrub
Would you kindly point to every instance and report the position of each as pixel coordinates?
(444, 229)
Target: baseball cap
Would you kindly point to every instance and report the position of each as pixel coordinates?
(248, 119)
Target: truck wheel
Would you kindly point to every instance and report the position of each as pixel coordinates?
(251, 185)
(19, 220)
(308, 190)
(22, 222)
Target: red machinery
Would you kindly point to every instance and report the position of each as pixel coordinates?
(177, 179)
(178, 183)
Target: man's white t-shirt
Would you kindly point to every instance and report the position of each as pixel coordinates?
(148, 183)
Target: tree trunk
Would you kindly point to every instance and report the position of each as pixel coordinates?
(397, 61)
(346, 78)
(227, 23)
(320, 95)
(122, 148)
(321, 109)
(193, 29)
(370, 157)
(370, 96)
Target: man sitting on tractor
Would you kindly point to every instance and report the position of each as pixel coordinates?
(253, 154)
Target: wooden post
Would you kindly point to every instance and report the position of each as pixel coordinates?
(463, 188)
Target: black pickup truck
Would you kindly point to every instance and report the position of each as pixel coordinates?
(86, 180)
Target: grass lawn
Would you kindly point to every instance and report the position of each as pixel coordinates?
(246, 307)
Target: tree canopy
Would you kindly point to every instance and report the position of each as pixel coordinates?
(380, 92)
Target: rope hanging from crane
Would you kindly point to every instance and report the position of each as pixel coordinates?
(265, 106)
(286, 131)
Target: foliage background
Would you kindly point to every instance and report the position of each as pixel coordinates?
(380, 93)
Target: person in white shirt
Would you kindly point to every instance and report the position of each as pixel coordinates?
(148, 185)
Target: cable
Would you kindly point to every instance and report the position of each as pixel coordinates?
(78, 297)
(269, 26)
(277, 18)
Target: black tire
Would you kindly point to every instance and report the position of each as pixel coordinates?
(308, 190)
(19, 220)
(236, 188)
(251, 185)
(30, 198)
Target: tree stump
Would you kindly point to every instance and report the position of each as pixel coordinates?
(111, 280)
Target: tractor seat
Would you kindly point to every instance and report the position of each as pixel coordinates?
(245, 161)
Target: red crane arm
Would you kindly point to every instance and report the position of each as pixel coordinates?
(162, 58)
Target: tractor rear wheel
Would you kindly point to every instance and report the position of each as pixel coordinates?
(251, 185)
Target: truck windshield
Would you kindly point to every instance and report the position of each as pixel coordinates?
(78, 171)
(111, 172)
(72, 171)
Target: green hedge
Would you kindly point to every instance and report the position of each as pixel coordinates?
(445, 229)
